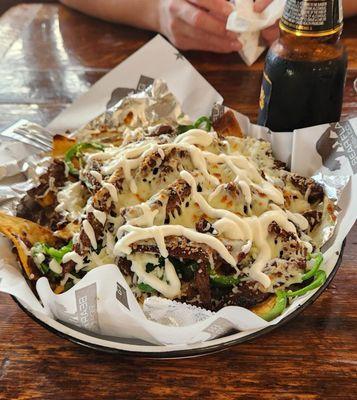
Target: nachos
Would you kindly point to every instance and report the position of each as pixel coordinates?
(197, 213)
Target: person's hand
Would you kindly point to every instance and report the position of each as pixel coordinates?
(198, 25)
(270, 34)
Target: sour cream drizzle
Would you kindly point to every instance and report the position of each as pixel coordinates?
(170, 287)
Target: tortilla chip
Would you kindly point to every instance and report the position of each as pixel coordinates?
(24, 234)
(228, 125)
(265, 306)
(60, 145)
(47, 200)
(68, 231)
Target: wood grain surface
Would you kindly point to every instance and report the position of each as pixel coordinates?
(49, 56)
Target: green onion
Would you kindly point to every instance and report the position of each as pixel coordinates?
(57, 254)
(76, 151)
(44, 268)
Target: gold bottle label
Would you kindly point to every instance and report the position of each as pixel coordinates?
(312, 17)
(264, 99)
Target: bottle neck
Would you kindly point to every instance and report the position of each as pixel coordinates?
(312, 18)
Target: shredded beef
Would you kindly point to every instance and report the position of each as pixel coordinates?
(96, 225)
(56, 171)
(244, 296)
(29, 209)
(204, 226)
(178, 247)
(177, 192)
(313, 218)
(304, 184)
(161, 130)
(279, 164)
(281, 233)
(68, 267)
(124, 265)
(83, 244)
(202, 283)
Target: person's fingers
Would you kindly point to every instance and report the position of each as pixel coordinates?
(187, 37)
(261, 5)
(201, 19)
(270, 34)
(218, 7)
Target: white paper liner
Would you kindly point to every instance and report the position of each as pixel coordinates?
(101, 302)
(249, 24)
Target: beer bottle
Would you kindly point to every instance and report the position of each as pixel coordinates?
(305, 69)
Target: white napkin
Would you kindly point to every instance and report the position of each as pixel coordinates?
(248, 25)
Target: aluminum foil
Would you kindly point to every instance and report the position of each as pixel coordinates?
(21, 164)
(152, 106)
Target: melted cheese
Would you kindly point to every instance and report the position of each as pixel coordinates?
(70, 200)
(212, 169)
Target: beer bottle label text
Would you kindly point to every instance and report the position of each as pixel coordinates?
(312, 17)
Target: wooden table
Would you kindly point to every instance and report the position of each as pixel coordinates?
(50, 55)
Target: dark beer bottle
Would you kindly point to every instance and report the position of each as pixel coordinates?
(305, 69)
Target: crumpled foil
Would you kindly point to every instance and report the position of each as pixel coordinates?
(153, 106)
(21, 165)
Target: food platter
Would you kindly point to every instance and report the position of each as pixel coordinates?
(146, 350)
(156, 105)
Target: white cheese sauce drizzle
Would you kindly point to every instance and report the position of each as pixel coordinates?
(96, 175)
(89, 231)
(158, 233)
(170, 287)
(55, 266)
(75, 257)
(246, 173)
(251, 230)
(146, 218)
(112, 190)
